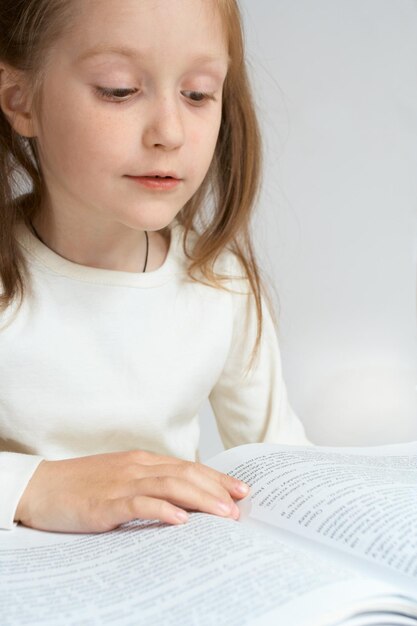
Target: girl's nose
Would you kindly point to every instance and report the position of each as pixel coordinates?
(165, 125)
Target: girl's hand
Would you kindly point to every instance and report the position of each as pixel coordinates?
(98, 493)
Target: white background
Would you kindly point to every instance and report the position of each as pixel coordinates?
(336, 88)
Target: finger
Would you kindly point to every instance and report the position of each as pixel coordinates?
(238, 488)
(191, 472)
(185, 494)
(122, 510)
(234, 486)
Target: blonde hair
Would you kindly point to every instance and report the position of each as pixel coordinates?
(28, 30)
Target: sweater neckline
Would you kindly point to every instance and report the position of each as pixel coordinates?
(43, 256)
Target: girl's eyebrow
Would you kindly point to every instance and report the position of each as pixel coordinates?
(133, 53)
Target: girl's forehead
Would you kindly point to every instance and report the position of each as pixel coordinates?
(146, 28)
(151, 18)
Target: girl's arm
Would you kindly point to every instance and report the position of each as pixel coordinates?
(253, 407)
(98, 493)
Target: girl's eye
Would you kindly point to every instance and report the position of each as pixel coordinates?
(117, 95)
(122, 94)
(198, 97)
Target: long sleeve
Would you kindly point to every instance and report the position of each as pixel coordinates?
(254, 408)
(16, 470)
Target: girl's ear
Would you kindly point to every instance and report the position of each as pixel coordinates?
(15, 100)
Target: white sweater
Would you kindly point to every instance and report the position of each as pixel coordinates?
(98, 361)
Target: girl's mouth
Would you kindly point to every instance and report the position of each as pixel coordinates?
(158, 183)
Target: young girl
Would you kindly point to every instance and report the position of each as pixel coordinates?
(130, 291)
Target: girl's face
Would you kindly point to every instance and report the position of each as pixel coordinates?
(134, 89)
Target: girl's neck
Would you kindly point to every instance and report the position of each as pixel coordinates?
(127, 254)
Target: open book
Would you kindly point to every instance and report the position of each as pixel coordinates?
(327, 536)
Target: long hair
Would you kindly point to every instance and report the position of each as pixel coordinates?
(220, 212)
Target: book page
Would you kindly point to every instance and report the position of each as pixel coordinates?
(210, 570)
(360, 500)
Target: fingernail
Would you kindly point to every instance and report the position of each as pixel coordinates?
(222, 507)
(182, 516)
(242, 487)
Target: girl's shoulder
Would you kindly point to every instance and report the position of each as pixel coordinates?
(226, 266)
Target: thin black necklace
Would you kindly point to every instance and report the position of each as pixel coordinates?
(147, 252)
(35, 232)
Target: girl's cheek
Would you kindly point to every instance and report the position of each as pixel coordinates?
(195, 137)
(202, 136)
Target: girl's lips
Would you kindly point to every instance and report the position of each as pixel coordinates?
(161, 184)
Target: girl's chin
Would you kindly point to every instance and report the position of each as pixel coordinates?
(155, 223)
